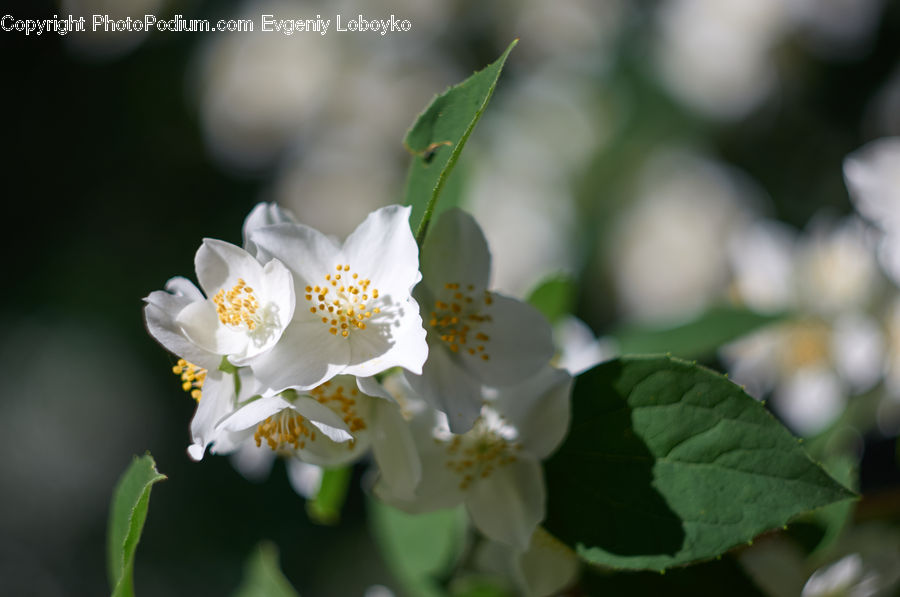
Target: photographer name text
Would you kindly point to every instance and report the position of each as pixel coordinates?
(267, 23)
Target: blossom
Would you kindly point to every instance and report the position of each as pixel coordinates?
(331, 425)
(355, 313)
(475, 337)
(830, 347)
(245, 310)
(494, 468)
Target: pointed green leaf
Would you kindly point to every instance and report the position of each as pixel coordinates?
(667, 463)
(418, 548)
(263, 576)
(554, 297)
(127, 514)
(709, 579)
(438, 136)
(698, 338)
(325, 508)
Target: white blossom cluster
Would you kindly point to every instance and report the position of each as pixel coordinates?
(837, 282)
(300, 346)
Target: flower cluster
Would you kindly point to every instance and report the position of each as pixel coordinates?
(318, 351)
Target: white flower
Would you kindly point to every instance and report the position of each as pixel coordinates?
(246, 308)
(830, 348)
(545, 568)
(331, 425)
(494, 468)
(240, 321)
(475, 337)
(354, 314)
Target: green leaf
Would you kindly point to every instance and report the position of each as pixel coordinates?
(695, 339)
(325, 508)
(127, 514)
(554, 297)
(668, 463)
(709, 579)
(262, 575)
(819, 530)
(438, 136)
(418, 548)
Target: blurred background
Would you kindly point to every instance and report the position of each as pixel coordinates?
(671, 156)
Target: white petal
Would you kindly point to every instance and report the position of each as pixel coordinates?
(399, 342)
(264, 214)
(160, 314)
(394, 450)
(872, 174)
(521, 342)
(370, 387)
(858, 348)
(438, 488)
(456, 251)
(325, 419)
(254, 413)
(253, 462)
(810, 400)
(220, 264)
(200, 323)
(580, 349)
(216, 402)
(182, 287)
(547, 566)
(305, 478)
(308, 253)
(539, 409)
(383, 249)
(449, 388)
(544, 569)
(508, 505)
(306, 356)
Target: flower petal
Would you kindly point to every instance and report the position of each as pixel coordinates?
(383, 249)
(276, 292)
(253, 462)
(547, 566)
(200, 324)
(456, 251)
(306, 356)
(264, 214)
(539, 408)
(399, 342)
(305, 478)
(439, 487)
(322, 417)
(449, 388)
(521, 342)
(254, 413)
(370, 387)
(216, 403)
(160, 315)
(220, 264)
(394, 450)
(508, 505)
(182, 287)
(308, 253)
